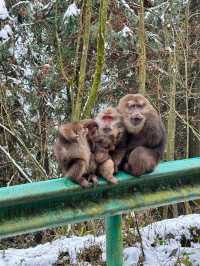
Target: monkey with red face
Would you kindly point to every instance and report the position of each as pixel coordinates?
(111, 135)
(82, 150)
(110, 128)
(100, 161)
(146, 137)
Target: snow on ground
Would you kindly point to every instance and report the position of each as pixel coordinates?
(169, 242)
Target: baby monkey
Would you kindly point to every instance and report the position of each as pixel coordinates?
(78, 151)
(110, 133)
(100, 145)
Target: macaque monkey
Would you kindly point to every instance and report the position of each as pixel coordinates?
(111, 133)
(72, 151)
(146, 137)
(100, 144)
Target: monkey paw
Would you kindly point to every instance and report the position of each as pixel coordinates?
(101, 157)
(82, 133)
(112, 180)
(85, 184)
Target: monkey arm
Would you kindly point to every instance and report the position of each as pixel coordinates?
(119, 153)
(155, 136)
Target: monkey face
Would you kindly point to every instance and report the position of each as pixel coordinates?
(110, 123)
(134, 109)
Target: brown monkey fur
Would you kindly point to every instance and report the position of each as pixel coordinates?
(73, 148)
(72, 151)
(146, 137)
(108, 134)
(112, 136)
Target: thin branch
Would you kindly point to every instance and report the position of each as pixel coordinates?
(26, 149)
(15, 164)
(139, 234)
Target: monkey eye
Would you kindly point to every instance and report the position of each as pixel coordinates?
(131, 106)
(140, 105)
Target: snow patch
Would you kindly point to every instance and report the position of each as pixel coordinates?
(126, 31)
(161, 242)
(3, 10)
(72, 10)
(6, 32)
(126, 6)
(47, 254)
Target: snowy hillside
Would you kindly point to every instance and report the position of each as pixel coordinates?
(168, 242)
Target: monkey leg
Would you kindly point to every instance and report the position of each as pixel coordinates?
(106, 169)
(76, 172)
(141, 160)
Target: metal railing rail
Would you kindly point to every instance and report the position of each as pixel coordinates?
(40, 205)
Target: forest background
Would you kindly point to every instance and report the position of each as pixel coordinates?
(66, 60)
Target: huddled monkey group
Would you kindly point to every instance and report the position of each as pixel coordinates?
(130, 137)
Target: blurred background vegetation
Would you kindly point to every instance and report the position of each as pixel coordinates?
(63, 60)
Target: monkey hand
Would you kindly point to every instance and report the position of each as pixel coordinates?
(82, 136)
(101, 156)
(84, 183)
(112, 180)
(83, 133)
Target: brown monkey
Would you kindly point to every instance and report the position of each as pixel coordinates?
(146, 137)
(111, 136)
(100, 143)
(72, 151)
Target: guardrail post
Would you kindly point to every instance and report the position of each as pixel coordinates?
(114, 243)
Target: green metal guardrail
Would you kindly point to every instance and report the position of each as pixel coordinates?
(36, 206)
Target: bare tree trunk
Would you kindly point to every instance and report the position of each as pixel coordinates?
(171, 42)
(142, 50)
(171, 125)
(100, 59)
(76, 111)
(194, 104)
